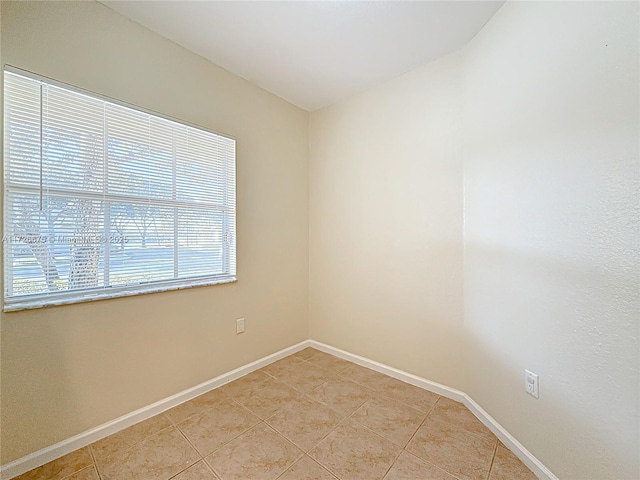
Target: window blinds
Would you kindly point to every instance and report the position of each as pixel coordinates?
(103, 199)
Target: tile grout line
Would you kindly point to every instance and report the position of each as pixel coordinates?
(147, 437)
(422, 423)
(341, 422)
(380, 435)
(230, 440)
(261, 420)
(466, 430)
(406, 443)
(95, 462)
(414, 434)
(306, 396)
(144, 438)
(227, 443)
(346, 419)
(331, 375)
(372, 395)
(427, 461)
(215, 472)
(206, 464)
(431, 464)
(493, 459)
(392, 463)
(76, 472)
(292, 443)
(475, 434)
(417, 429)
(191, 445)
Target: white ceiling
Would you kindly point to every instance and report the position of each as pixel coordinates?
(314, 53)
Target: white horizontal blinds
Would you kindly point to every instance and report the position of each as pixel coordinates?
(139, 165)
(230, 201)
(22, 131)
(101, 197)
(22, 107)
(73, 141)
(140, 154)
(206, 182)
(49, 220)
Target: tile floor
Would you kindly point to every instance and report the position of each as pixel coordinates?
(308, 416)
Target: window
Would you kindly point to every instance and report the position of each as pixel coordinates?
(102, 199)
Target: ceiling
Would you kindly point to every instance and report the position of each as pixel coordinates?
(314, 53)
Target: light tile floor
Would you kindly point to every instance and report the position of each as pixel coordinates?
(308, 416)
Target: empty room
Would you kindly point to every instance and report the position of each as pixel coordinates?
(320, 240)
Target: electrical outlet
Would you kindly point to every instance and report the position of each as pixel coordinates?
(531, 383)
(239, 325)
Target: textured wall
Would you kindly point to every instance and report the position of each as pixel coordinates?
(67, 369)
(386, 223)
(551, 231)
(542, 106)
(547, 95)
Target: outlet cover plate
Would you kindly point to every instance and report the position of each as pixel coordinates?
(239, 326)
(531, 383)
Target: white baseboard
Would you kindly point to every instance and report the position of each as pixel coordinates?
(64, 447)
(535, 465)
(434, 387)
(36, 459)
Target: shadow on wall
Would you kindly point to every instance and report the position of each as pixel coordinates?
(574, 324)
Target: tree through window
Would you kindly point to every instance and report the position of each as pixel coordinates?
(103, 199)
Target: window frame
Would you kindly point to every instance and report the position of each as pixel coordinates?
(39, 300)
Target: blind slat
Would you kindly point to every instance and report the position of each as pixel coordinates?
(129, 199)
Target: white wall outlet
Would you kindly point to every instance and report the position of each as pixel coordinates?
(531, 383)
(239, 325)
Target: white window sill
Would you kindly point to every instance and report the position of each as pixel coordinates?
(42, 301)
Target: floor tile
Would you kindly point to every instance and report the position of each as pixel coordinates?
(124, 439)
(199, 471)
(306, 469)
(197, 405)
(214, 427)
(408, 467)
(409, 394)
(453, 449)
(506, 466)
(455, 412)
(305, 377)
(390, 419)
(61, 467)
(88, 473)
(329, 362)
(305, 422)
(260, 453)
(352, 452)
(306, 353)
(266, 400)
(158, 457)
(277, 369)
(365, 376)
(244, 384)
(259, 426)
(341, 395)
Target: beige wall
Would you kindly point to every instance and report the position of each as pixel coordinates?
(385, 199)
(67, 369)
(536, 121)
(551, 231)
(547, 95)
